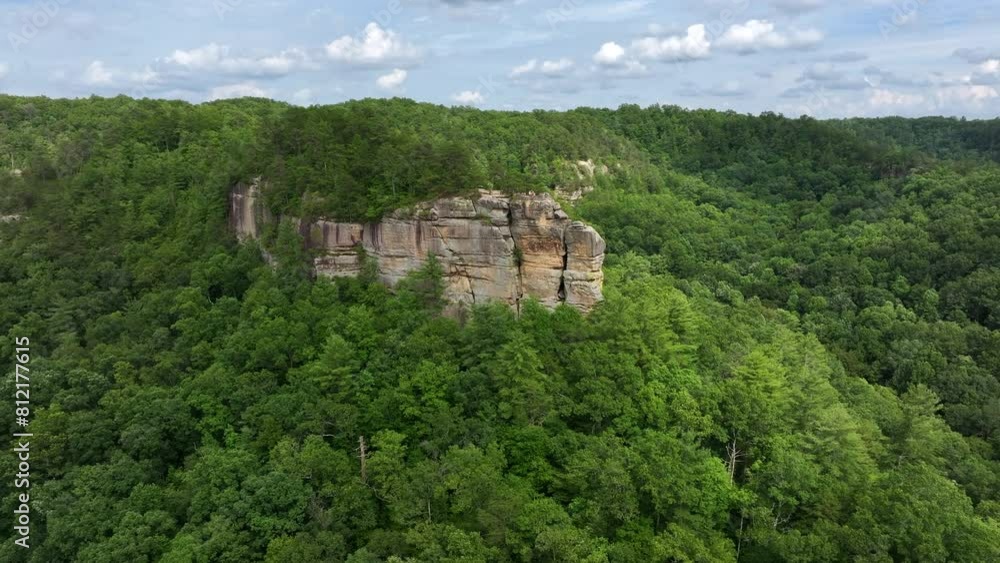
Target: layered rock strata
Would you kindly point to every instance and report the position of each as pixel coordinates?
(491, 246)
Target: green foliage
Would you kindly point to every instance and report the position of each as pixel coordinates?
(797, 359)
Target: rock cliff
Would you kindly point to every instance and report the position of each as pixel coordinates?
(491, 246)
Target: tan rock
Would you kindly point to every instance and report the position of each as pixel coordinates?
(491, 247)
(247, 214)
(584, 274)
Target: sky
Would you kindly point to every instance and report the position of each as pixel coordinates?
(796, 57)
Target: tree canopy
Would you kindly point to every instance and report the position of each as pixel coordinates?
(797, 358)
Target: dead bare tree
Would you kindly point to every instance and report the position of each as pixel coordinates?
(734, 456)
(363, 454)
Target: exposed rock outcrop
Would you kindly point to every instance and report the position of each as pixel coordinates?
(492, 247)
(247, 214)
(586, 175)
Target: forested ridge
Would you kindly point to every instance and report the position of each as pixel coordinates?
(797, 358)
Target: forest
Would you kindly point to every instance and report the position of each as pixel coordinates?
(798, 357)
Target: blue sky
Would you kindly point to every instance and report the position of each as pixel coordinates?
(817, 57)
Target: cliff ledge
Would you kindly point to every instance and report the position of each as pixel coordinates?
(492, 247)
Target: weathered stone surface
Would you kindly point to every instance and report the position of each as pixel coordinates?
(247, 214)
(538, 225)
(584, 274)
(491, 247)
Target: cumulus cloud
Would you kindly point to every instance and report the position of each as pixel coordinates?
(217, 58)
(239, 90)
(755, 35)
(469, 98)
(694, 44)
(526, 68)
(97, 74)
(393, 80)
(557, 67)
(610, 54)
(985, 73)
(375, 46)
(991, 66)
(987, 65)
(613, 60)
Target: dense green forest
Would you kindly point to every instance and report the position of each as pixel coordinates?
(797, 359)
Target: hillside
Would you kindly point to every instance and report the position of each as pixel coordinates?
(796, 359)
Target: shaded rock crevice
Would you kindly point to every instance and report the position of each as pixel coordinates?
(491, 246)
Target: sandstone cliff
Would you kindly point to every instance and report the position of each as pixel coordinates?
(492, 247)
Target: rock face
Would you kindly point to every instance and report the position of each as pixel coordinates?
(247, 214)
(492, 247)
(586, 175)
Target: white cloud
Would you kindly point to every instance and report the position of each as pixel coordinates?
(755, 35)
(556, 67)
(548, 68)
(991, 66)
(201, 58)
(376, 46)
(613, 60)
(217, 58)
(695, 44)
(526, 68)
(610, 54)
(4, 70)
(240, 90)
(393, 80)
(97, 74)
(974, 95)
(469, 98)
